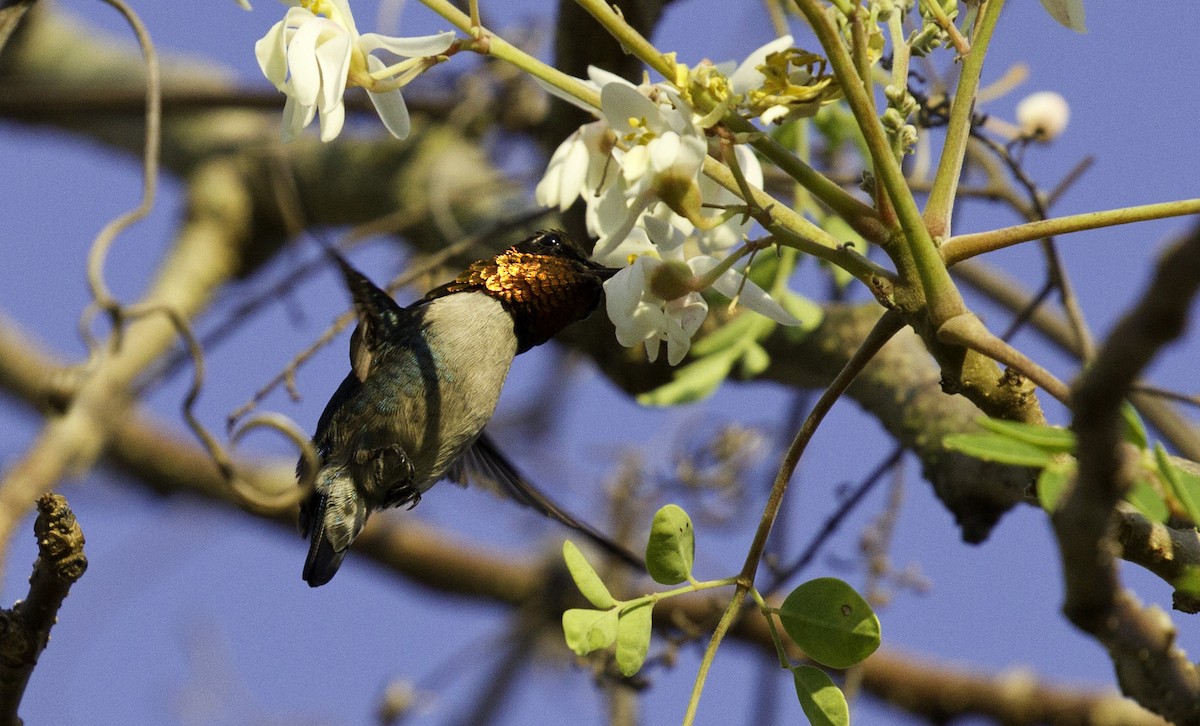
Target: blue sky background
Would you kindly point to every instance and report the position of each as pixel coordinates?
(197, 614)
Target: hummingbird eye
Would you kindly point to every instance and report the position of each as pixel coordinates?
(553, 242)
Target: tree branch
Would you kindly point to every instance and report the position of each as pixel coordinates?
(25, 629)
(1140, 640)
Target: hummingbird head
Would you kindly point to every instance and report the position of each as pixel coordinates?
(545, 283)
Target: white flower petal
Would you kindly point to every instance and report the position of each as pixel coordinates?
(302, 61)
(271, 52)
(667, 237)
(333, 58)
(621, 102)
(752, 296)
(390, 105)
(296, 116)
(601, 78)
(635, 244)
(664, 151)
(332, 120)
(393, 112)
(564, 96)
(421, 46)
(751, 166)
(622, 293)
(747, 77)
(343, 17)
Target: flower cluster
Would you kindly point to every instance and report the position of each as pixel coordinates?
(316, 52)
(639, 171)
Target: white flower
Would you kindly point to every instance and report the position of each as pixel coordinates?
(662, 140)
(733, 285)
(641, 317)
(732, 231)
(316, 51)
(577, 167)
(748, 77)
(1043, 116)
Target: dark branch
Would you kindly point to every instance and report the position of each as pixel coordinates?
(25, 629)
(1140, 640)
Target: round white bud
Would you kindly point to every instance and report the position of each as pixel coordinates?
(1043, 116)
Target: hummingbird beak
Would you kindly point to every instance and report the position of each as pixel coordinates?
(602, 271)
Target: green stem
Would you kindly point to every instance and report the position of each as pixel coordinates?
(629, 38)
(958, 130)
(861, 217)
(934, 8)
(728, 618)
(654, 597)
(942, 297)
(966, 246)
(884, 329)
(793, 230)
(496, 46)
(769, 613)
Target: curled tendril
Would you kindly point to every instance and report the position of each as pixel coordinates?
(253, 495)
(103, 299)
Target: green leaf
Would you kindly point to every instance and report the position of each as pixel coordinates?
(824, 703)
(586, 579)
(1147, 500)
(1187, 589)
(672, 546)
(1068, 13)
(633, 638)
(1051, 439)
(693, 382)
(809, 313)
(1185, 485)
(731, 334)
(1135, 429)
(754, 361)
(1052, 482)
(998, 448)
(587, 630)
(830, 622)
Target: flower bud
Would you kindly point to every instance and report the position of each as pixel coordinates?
(1043, 116)
(671, 280)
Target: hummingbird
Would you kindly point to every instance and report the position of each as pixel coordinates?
(424, 381)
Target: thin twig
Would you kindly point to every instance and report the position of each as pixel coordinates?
(888, 325)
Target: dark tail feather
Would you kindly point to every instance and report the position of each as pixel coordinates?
(323, 560)
(483, 464)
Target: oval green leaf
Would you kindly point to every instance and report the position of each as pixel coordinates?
(695, 381)
(1185, 485)
(1135, 430)
(823, 702)
(1051, 439)
(587, 630)
(672, 546)
(586, 579)
(831, 622)
(998, 448)
(754, 361)
(1146, 499)
(633, 638)
(1052, 482)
